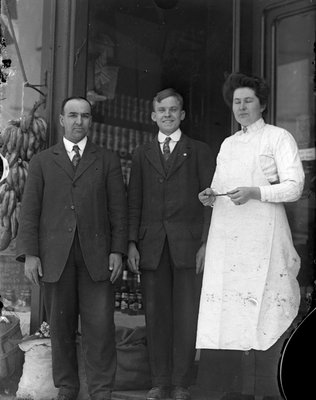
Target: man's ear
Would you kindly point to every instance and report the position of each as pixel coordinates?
(182, 115)
(153, 116)
(61, 119)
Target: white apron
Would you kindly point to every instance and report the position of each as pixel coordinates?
(250, 294)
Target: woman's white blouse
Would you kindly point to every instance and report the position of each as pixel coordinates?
(280, 162)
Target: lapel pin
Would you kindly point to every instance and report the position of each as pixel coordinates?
(185, 154)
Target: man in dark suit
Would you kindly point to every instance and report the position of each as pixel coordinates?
(167, 235)
(72, 234)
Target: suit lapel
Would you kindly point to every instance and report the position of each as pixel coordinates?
(61, 158)
(182, 153)
(87, 159)
(152, 153)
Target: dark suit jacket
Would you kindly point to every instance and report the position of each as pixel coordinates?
(57, 201)
(166, 204)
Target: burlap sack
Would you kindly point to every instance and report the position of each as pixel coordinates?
(36, 382)
(133, 371)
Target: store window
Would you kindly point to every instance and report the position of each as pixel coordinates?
(22, 134)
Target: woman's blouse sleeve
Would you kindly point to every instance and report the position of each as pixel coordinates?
(281, 164)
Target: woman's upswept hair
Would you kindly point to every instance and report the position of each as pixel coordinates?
(238, 80)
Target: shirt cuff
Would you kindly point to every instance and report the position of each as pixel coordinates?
(265, 193)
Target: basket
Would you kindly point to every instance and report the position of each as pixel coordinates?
(11, 356)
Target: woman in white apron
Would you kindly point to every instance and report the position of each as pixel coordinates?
(250, 295)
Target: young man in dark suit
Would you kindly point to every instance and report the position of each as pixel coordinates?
(167, 235)
(72, 233)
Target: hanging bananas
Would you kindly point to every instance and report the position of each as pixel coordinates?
(24, 137)
(19, 141)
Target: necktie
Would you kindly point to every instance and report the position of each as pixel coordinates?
(166, 149)
(244, 129)
(76, 158)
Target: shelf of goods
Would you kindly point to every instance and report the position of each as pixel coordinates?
(128, 294)
(121, 124)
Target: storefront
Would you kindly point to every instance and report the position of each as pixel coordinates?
(119, 53)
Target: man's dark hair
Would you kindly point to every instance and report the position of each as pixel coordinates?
(238, 80)
(169, 92)
(62, 108)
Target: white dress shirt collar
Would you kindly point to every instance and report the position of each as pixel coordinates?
(175, 136)
(69, 145)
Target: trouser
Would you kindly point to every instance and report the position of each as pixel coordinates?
(171, 300)
(77, 294)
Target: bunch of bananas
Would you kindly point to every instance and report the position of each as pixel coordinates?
(19, 141)
(24, 137)
(9, 215)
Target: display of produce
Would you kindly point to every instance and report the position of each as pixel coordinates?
(19, 141)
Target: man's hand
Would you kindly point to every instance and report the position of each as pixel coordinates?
(200, 258)
(115, 265)
(207, 197)
(133, 258)
(33, 269)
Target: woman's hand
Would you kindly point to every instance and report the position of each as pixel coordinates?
(241, 195)
(207, 197)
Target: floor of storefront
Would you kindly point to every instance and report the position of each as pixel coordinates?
(131, 322)
(196, 393)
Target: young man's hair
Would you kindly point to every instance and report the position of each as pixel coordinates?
(169, 92)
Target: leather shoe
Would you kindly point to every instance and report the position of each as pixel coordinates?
(237, 396)
(158, 393)
(181, 393)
